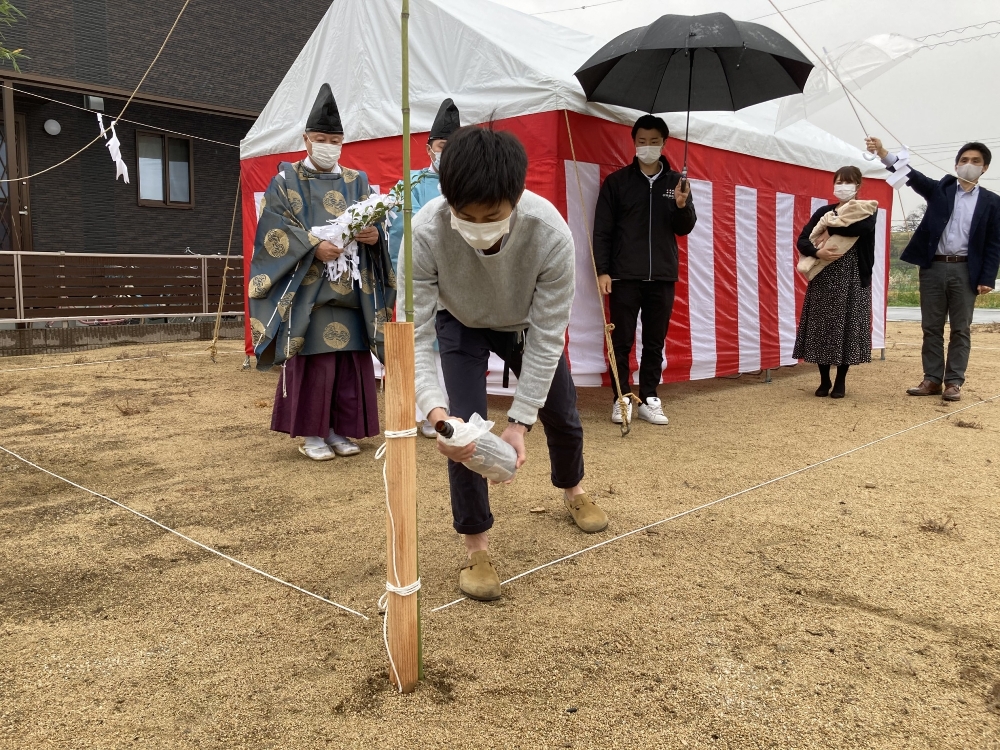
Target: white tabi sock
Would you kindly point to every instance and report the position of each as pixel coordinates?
(315, 442)
(334, 438)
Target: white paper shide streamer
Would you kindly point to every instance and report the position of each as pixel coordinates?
(368, 212)
(115, 149)
(902, 169)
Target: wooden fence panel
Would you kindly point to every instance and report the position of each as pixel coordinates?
(8, 290)
(77, 285)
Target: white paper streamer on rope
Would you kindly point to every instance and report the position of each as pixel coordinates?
(114, 148)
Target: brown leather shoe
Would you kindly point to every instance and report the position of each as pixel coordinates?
(586, 513)
(952, 392)
(478, 579)
(926, 388)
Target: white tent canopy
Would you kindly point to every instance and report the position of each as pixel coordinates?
(495, 62)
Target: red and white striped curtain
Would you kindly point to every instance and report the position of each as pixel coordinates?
(739, 294)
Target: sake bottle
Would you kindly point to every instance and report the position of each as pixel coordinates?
(494, 459)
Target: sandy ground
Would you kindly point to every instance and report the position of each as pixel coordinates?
(815, 612)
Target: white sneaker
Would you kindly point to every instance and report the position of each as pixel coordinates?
(427, 430)
(616, 412)
(652, 411)
(317, 452)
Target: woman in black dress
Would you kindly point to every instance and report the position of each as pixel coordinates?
(836, 320)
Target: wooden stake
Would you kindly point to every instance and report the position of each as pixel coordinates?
(401, 475)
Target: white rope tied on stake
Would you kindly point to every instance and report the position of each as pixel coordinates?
(186, 538)
(393, 588)
(739, 493)
(110, 361)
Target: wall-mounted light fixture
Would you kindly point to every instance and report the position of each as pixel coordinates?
(95, 103)
(52, 127)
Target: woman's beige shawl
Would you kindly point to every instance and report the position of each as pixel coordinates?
(851, 212)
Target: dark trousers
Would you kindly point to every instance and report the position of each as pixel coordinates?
(465, 354)
(945, 293)
(655, 300)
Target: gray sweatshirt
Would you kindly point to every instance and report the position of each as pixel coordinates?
(528, 285)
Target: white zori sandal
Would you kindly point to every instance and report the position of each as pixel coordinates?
(347, 448)
(342, 446)
(317, 452)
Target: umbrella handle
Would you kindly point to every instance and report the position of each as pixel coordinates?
(687, 123)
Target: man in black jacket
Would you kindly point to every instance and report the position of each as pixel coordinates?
(641, 210)
(957, 247)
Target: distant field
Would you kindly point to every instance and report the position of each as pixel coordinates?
(904, 288)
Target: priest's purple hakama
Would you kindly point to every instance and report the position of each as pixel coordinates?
(326, 392)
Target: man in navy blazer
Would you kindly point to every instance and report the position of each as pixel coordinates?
(957, 247)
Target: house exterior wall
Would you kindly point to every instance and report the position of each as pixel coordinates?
(80, 207)
(222, 53)
(222, 57)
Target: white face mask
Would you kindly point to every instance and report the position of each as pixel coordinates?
(970, 172)
(436, 161)
(845, 192)
(648, 154)
(325, 155)
(481, 236)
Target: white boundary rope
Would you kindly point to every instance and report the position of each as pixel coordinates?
(409, 590)
(182, 536)
(728, 497)
(108, 361)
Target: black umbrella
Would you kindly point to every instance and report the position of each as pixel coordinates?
(708, 62)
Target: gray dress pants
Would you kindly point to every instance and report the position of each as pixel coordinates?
(945, 294)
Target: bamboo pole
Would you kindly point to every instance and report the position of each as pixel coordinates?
(401, 527)
(403, 614)
(407, 198)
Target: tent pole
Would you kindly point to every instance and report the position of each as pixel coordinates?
(402, 614)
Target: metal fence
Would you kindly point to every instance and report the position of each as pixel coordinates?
(110, 288)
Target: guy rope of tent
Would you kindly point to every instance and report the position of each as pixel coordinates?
(852, 94)
(623, 399)
(105, 131)
(828, 64)
(850, 98)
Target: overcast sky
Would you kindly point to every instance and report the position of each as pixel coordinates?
(934, 101)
